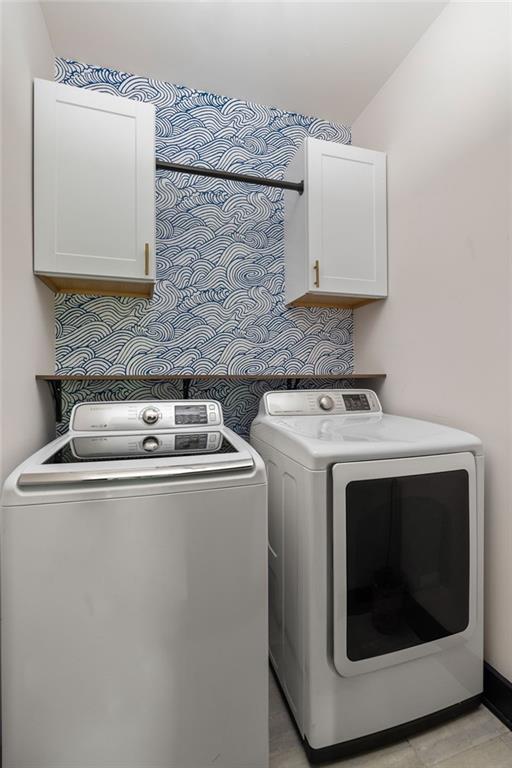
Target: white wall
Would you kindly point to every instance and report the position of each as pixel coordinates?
(444, 334)
(27, 335)
(217, 46)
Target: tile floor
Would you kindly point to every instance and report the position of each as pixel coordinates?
(476, 740)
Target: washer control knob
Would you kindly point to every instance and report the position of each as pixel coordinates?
(150, 444)
(150, 415)
(326, 403)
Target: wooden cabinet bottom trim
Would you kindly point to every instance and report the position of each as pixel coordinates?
(97, 287)
(331, 300)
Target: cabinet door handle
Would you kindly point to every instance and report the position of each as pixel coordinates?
(316, 269)
(146, 258)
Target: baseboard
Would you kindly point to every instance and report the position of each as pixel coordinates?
(390, 735)
(498, 695)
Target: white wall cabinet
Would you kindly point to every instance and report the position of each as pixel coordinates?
(94, 191)
(336, 231)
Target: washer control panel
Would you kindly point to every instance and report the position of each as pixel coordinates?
(106, 447)
(304, 402)
(133, 415)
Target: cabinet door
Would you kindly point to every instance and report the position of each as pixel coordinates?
(347, 219)
(94, 184)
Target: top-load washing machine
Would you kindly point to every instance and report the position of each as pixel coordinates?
(375, 567)
(134, 594)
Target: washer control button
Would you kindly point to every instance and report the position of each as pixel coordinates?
(326, 403)
(150, 415)
(150, 444)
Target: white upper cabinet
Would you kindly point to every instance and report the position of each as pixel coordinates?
(94, 191)
(336, 231)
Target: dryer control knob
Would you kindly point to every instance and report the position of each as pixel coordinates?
(150, 444)
(150, 415)
(326, 403)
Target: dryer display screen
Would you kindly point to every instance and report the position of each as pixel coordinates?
(356, 402)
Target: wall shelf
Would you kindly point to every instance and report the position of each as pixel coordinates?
(292, 380)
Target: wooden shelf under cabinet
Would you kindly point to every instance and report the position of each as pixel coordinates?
(332, 300)
(96, 287)
(215, 376)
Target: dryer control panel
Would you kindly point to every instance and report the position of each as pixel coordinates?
(314, 402)
(134, 415)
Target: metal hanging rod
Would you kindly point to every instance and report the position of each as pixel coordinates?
(295, 186)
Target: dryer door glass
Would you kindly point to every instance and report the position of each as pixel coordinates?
(404, 562)
(407, 561)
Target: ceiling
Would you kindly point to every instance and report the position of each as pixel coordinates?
(326, 59)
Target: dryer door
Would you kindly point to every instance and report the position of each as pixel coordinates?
(404, 559)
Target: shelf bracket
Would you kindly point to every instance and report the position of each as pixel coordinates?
(56, 393)
(186, 388)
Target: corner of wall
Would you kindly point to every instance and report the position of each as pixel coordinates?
(444, 119)
(26, 322)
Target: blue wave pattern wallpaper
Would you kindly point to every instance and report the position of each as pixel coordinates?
(219, 298)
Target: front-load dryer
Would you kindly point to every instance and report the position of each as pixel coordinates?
(375, 567)
(134, 594)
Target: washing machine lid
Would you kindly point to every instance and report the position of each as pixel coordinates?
(318, 441)
(133, 440)
(138, 456)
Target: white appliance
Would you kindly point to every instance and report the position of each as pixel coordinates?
(134, 594)
(375, 567)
